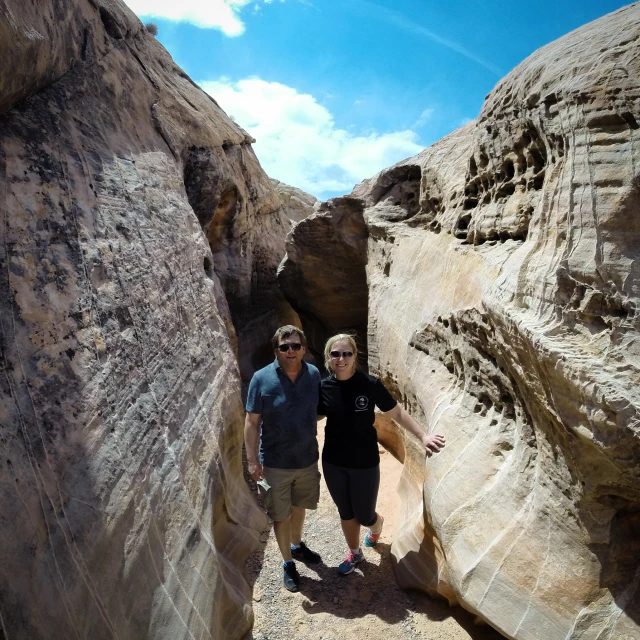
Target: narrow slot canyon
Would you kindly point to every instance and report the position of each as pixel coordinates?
(146, 259)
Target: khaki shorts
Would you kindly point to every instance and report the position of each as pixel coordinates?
(290, 487)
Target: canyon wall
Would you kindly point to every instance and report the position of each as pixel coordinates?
(137, 228)
(502, 269)
(323, 273)
(297, 204)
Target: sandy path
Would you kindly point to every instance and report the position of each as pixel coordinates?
(365, 604)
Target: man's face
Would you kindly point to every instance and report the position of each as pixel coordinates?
(290, 360)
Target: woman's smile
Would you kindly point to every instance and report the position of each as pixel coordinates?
(344, 365)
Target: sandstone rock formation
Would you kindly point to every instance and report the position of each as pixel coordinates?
(323, 273)
(246, 223)
(297, 203)
(503, 284)
(136, 228)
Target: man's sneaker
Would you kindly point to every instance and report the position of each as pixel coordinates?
(371, 539)
(290, 576)
(305, 554)
(350, 562)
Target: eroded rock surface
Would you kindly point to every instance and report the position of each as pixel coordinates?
(298, 204)
(123, 512)
(323, 273)
(246, 223)
(503, 284)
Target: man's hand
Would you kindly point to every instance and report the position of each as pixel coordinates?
(255, 470)
(432, 444)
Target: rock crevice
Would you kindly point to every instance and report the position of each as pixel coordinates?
(502, 287)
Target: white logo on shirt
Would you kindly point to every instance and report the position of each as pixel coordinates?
(362, 402)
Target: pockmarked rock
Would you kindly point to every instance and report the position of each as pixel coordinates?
(503, 284)
(123, 510)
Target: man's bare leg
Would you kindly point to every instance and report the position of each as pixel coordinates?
(297, 522)
(282, 530)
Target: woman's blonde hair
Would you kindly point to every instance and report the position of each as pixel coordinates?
(331, 341)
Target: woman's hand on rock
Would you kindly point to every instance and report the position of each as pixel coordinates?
(432, 443)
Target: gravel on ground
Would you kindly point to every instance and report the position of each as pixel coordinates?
(364, 604)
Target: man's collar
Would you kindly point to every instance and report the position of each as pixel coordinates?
(277, 366)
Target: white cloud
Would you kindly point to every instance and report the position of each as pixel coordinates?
(298, 141)
(208, 14)
(425, 116)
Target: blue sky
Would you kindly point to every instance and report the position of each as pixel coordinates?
(334, 92)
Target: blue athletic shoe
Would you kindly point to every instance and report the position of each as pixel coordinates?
(290, 576)
(350, 562)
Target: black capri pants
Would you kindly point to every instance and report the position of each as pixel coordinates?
(355, 491)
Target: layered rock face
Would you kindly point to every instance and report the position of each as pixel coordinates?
(503, 283)
(134, 217)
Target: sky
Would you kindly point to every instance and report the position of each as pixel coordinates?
(335, 91)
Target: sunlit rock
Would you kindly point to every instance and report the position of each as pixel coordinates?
(123, 510)
(503, 282)
(297, 203)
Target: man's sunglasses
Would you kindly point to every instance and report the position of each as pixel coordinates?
(344, 354)
(296, 346)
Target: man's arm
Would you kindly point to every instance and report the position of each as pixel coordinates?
(252, 443)
(432, 444)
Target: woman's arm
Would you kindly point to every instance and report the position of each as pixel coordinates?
(432, 443)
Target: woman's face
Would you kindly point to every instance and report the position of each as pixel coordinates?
(343, 367)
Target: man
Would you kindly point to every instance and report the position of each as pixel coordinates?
(283, 396)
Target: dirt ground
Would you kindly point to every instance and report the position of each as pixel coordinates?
(365, 604)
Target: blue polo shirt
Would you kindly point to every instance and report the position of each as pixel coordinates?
(289, 414)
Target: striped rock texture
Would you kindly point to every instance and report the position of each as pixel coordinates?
(503, 282)
(137, 229)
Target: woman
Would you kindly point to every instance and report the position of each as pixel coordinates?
(350, 458)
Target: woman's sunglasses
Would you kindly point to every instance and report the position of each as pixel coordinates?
(344, 354)
(296, 346)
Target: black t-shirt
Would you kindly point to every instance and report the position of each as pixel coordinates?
(350, 439)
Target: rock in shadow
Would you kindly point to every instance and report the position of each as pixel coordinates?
(438, 609)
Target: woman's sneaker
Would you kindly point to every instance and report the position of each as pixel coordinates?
(350, 562)
(371, 539)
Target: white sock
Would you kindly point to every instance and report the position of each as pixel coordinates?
(356, 551)
(295, 546)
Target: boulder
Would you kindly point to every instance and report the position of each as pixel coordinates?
(503, 283)
(323, 273)
(136, 223)
(297, 203)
